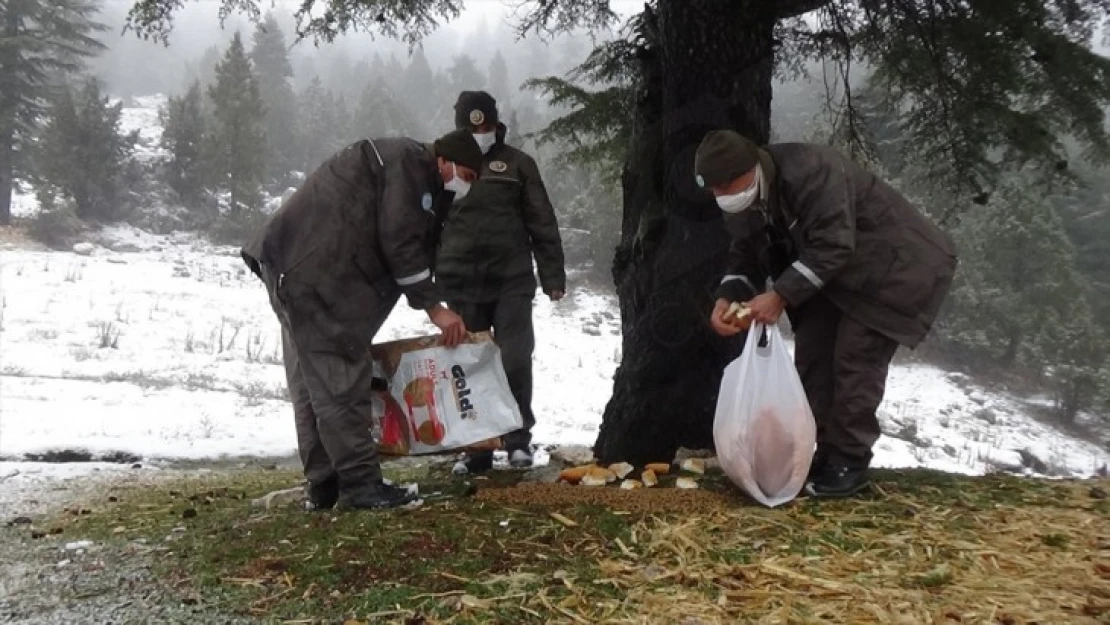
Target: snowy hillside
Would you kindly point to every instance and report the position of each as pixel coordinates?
(172, 351)
(139, 114)
(165, 347)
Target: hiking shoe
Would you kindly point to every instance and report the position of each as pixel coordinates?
(479, 462)
(520, 459)
(817, 465)
(838, 480)
(322, 496)
(378, 497)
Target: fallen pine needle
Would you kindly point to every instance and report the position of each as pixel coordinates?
(453, 577)
(547, 604)
(243, 581)
(439, 595)
(374, 615)
(563, 520)
(787, 573)
(625, 550)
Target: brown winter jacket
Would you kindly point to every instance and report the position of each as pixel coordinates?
(847, 234)
(350, 241)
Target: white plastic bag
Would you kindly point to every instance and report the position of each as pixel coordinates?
(447, 398)
(763, 427)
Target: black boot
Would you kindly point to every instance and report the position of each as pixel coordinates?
(838, 480)
(323, 496)
(477, 462)
(818, 464)
(378, 496)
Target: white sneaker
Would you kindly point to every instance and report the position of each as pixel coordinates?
(520, 459)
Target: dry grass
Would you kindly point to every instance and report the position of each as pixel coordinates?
(922, 548)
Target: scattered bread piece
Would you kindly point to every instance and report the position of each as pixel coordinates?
(593, 480)
(685, 482)
(693, 465)
(738, 316)
(602, 473)
(575, 474)
(621, 469)
(649, 478)
(659, 468)
(631, 484)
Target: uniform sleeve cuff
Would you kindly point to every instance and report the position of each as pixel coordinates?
(735, 290)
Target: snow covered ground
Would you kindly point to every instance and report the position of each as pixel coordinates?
(167, 348)
(172, 351)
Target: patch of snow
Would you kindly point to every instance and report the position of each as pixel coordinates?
(24, 203)
(24, 472)
(195, 371)
(142, 114)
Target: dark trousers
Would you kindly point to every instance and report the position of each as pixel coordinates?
(843, 366)
(510, 318)
(331, 409)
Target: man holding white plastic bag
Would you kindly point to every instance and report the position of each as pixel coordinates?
(856, 267)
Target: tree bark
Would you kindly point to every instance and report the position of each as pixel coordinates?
(7, 176)
(8, 107)
(708, 64)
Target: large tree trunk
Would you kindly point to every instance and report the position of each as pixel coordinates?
(7, 167)
(709, 65)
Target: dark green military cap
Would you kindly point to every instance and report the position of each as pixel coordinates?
(724, 156)
(459, 146)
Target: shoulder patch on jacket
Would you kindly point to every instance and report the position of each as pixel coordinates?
(426, 201)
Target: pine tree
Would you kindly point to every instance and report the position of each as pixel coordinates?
(314, 114)
(499, 80)
(1086, 214)
(39, 40)
(1074, 348)
(364, 76)
(981, 88)
(514, 136)
(206, 68)
(381, 114)
(341, 128)
(1017, 277)
(236, 142)
(419, 90)
(183, 132)
(464, 75)
(81, 155)
(271, 64)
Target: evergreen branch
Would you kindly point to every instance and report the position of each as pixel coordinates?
(553, 16)
(785, 9)
(319, 20)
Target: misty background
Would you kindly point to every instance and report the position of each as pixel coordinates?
(234, 116)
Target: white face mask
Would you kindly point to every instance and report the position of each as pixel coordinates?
(741, 201)
(485, 140)
(457, 184)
